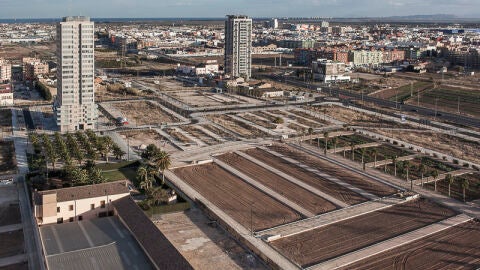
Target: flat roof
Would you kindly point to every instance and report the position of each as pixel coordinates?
(102, 243)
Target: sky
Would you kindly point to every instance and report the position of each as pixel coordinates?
(10, 9)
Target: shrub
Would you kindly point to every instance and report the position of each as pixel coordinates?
(43, 90)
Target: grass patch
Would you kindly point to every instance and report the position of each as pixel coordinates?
(164, 209)
(129, 173)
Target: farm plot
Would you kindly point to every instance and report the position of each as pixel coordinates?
(357, 180)
(139, 138)
(341, 141)
(220, 132)
(243, 202)
(177, 135)
(8, 163)
(309, 117)
(472, 192)
(454, 248)
(144, 112)
(443, 143)
(449, 99)
(294, 193)
(200, 135)
(413, 165)
(383, 152)
(238, 127)
(261, 122)
(331, 188)
(355, 118)
(315, 246)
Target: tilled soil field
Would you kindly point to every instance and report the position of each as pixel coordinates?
(454, 248)
(352, 178)
(292, 192)
(136, 112)
(241, 201)
(343, 237)
(331, 188)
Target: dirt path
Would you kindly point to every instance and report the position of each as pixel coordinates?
(333, 189)
(318, 245)
(238, 199)
(304, 198)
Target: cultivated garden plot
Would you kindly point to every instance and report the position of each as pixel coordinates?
(454, 248)
(246, 204)
(219, 131)
(430, 168)
(8, 163)
(340, 141)
(244, 130)
(443, 143)
(199, 134)
(291, 191)
(315, 246)
(257, 120)
(471, 182)
(339, 192)
(318, 119)
(139, 139)
(355, 118)
(357, 180)
(177, 135)
(144, 112)
(372, 154)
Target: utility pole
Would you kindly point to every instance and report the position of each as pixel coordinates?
(436, 101)
(458, 105)
(411, 89)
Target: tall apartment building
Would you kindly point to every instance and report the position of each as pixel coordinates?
(75, 107)
(5, 71)
(365, 58)
(238, 46)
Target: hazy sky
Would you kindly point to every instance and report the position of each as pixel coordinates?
(218, 8)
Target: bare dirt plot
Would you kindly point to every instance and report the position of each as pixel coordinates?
(177, 135)
(11, 243)
(456, 189)
(261, 122)
(244, 203)
(204, 245)
(219, 132)
(8, 163)
(294, 193)
(331, 188)
(197, 98)
(444, 143)
(9, 215)
(238, 127)
(455, 248)
(146, 137)
(200, 135)
(331, 241)
(144, 113)
(309, 117)
(355, 118)
(352, 178)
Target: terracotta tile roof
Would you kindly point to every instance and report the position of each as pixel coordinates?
(158, 248)
(83, 192)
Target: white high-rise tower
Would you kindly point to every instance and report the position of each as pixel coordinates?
(74, 106)
(238, 46)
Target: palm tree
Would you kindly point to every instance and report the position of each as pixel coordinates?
(325, 135)
(406, 165)
(465, 185)
(352, 148)
(421, 170)
(363, 151)
(386, 163)
(450, 180)
(335, 141)
(143, 176)
(435, 176)
(375, 153)
(394, 160)
(310, 132)
(162, 162)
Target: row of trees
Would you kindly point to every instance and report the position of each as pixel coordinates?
(43, 90)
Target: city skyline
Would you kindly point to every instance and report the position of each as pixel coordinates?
(10, 9)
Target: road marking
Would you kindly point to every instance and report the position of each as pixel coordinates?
(116, 228)
(90, 242)
(59, 244)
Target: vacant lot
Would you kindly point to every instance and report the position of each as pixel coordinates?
(11, 243)
(454, 248)
(146, 137)
(292, 192)
(352, 178)
(144, 113)
(331, 241)
(440, 142)
(244, 203)
(355, 118)
(331, 188)
(8, 163)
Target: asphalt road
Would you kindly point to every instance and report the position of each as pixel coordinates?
(421, 111)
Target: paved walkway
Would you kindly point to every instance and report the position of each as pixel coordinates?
(13, 260)
(294, 180)
(441, 176)
(10, 228)
(262, 247)
(329, 218)
(391, 243)
(324, 175)
(265, 189)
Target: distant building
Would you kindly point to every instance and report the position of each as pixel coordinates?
(6, 94)
(274, 23)
(238, 46)
(296, 44)
(5, 71)
(264, 49)
(325, 24)
(75, 107)
(209, 68)
(307, 56)
(32, 67)
(77, 203)
(329, 71)
(365, 58)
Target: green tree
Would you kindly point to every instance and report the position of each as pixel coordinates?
(162, 162)
(435, 176)
(352, 148)
(117, 151)
(374, 153)
(325, 136)
(335, 142)
(450, 180)
(421, 170)
(465, 185)
(144, 176)
(363, 152)
(394, 161)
